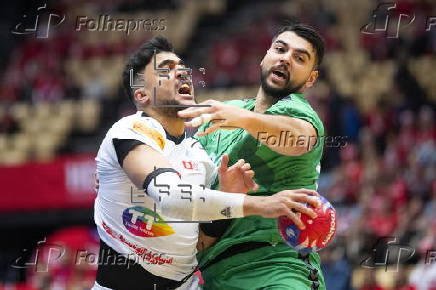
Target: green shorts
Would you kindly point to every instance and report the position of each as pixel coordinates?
(265, 268)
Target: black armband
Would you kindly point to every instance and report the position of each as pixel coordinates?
(155, 173)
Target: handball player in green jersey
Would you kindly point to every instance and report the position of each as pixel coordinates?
(281, 136)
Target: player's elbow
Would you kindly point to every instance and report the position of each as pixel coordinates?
(304, 143)
(298, 151)
(302, 140)
(306, 146)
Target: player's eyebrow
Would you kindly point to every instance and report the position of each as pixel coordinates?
(299, 50)
(303, 51)
(170, 61)
(282, 42)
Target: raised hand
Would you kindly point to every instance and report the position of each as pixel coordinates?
(221, 115)
(238, 178)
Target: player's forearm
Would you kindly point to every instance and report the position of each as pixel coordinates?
(253, 205)
(174, 196)
(285, 135)
(177, 198)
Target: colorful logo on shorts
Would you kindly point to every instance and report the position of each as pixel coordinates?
(141, 222)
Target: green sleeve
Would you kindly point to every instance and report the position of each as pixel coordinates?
(301, 109)
(204, 140)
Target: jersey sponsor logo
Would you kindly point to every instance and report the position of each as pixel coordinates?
(150, 256)
(140, 222)
(226, 212)
(190, 165)
(143, 129)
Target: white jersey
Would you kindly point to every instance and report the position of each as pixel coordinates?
(125, 215)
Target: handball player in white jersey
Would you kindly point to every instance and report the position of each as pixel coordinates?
(154, 180)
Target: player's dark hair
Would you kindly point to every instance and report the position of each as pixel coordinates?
(141, 58)
(308, 33)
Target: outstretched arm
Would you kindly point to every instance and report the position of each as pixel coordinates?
(267, 129)
(150, 170)
(180, 199)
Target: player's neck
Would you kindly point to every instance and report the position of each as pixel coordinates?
(174, 126)
(263, 101)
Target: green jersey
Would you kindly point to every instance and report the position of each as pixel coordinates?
(273, 171)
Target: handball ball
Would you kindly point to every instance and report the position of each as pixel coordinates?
(318, 233)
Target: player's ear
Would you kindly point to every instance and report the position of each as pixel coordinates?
(312, 78)
(140, 96)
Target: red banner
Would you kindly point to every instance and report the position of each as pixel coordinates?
(66, 182)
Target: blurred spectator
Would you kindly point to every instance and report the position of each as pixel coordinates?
(336, 268)
(370, 281)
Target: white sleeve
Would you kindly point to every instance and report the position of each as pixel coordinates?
(211, 175)
(211, 170)
(145, 130)
(179, 199)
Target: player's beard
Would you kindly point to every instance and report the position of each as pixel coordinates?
(170, 112)
(278, 93)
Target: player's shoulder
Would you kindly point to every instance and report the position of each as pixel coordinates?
(296, 105)
(139, 126)
(138, 122)
(295, 102)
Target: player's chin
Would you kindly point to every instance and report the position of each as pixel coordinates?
(277, 84)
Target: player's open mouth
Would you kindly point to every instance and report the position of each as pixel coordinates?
(280, 75)
(184, 90)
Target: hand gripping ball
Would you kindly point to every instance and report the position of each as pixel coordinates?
(318, 233)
